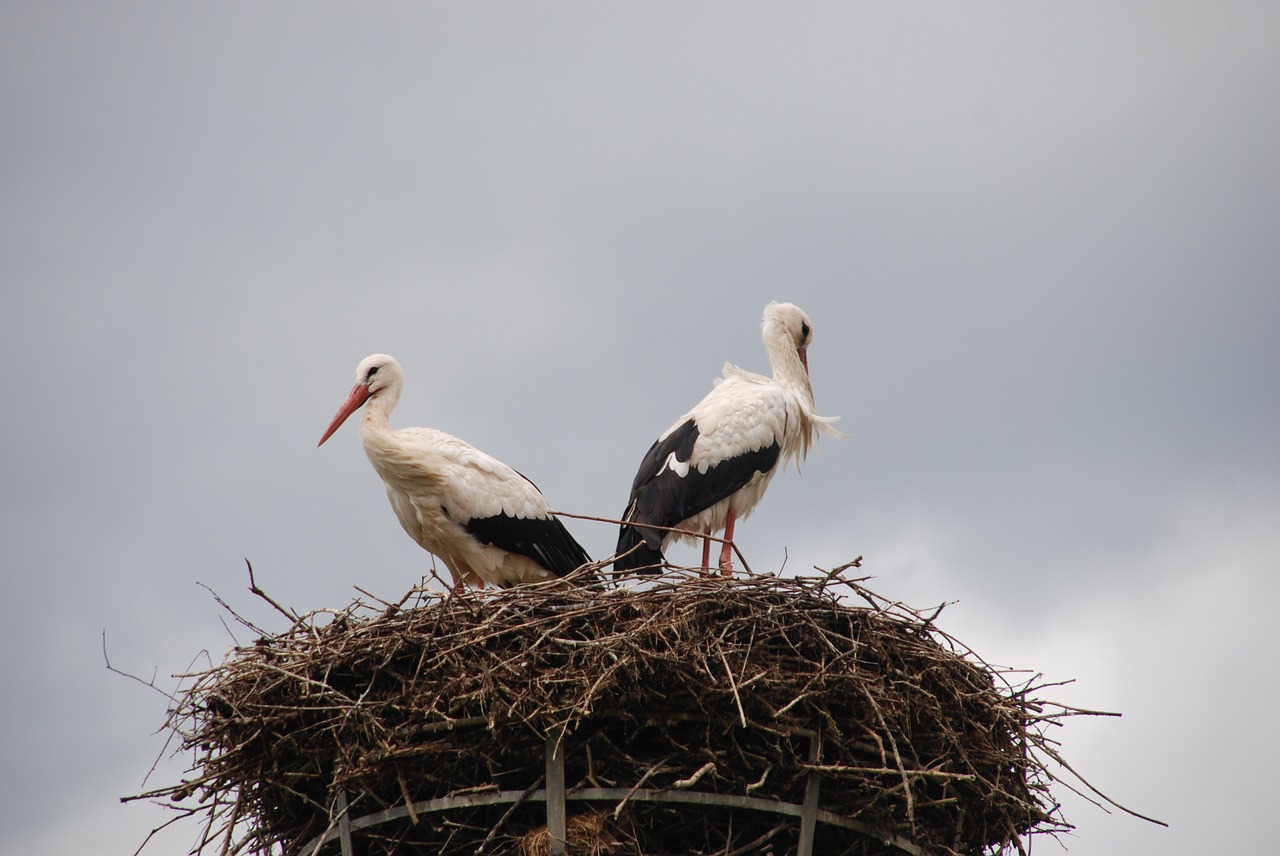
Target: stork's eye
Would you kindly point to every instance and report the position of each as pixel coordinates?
(804, 330)
(373, 371)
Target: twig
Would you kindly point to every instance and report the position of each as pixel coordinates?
(1058, 759)
(708, 767)
(253, 588)
(150, 684)
(737, 699)
(617, 810)
(227, 608)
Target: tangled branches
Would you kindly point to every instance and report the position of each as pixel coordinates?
(676, 684)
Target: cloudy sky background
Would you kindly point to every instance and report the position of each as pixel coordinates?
(1039, 246)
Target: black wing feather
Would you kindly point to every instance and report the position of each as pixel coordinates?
(545, 540)
(660, 497)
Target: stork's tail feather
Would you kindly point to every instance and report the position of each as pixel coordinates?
(826, 425)
(634, 554)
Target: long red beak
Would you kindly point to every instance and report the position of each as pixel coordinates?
(359, 395)
(804, 358)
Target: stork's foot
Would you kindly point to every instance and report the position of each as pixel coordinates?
(726, 561)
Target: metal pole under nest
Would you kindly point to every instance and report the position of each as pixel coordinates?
(809, 811)
(557, 818)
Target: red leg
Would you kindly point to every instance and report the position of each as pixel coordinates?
(726, 553)
(706, 553)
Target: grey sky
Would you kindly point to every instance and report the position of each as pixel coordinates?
(1039, 246)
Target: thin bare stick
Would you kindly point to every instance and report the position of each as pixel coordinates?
(1058, 759)
(149, 684)
(253, 588)
(708, 767)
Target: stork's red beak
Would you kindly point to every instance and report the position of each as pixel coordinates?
(804, 358)
(359, 395)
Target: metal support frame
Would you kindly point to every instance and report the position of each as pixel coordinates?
(809, 811)
(343, 821)
(556, 798)
(557, 814)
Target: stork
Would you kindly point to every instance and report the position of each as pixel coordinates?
(712, 466)
(485, 521)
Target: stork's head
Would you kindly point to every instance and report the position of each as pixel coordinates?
(790, 320)
(376, 373)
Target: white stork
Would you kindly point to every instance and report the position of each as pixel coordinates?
(484, 520)
(712, 466)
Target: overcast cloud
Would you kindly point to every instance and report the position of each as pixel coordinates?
(1040, 246)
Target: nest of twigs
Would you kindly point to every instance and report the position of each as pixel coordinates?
(681, 684)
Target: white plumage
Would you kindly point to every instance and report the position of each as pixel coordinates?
(712, 466)
(484, 520)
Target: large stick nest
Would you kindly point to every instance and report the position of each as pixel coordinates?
(682, 682)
